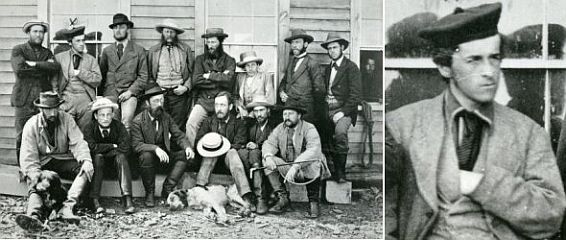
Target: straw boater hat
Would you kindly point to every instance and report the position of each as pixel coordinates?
(120, 18)
(102, 102)
(213, 145)
(169, 23)
(299, 33)
(335, 37)
(33, 22)
(247, 57)
(48, 99)
(214, 32)
(259, 100)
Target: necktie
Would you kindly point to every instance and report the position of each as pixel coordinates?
(335, 66)
(105, 133)
(120, 50)
(469, 143)
(290, 147)
(76, 61)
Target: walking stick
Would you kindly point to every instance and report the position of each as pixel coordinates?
(252, 170)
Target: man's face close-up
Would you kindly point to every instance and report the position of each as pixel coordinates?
(36, 34)
(290, 117)
(335, 50)
(120, 32)
(370, 66)
(298, 46)
(156, 105)
(221, 107)
(476, 67)
(50, 114)
(78, 43)
(169, 35)
(212, 43)
(261, 114)
(104, 116)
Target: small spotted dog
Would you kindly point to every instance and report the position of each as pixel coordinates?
(209, 199)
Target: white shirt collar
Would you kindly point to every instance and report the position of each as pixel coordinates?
(339, 61)
(123, 42)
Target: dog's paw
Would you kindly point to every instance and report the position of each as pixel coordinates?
(245, 212)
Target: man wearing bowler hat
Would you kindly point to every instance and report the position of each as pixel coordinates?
(33, 65)
(464, 166)
(343, 89)
(171, 67)
(214, 72)
(51, 140)
(153, 133)
(124, 69)
(79, 76)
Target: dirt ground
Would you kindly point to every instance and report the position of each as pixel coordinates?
(362, 219)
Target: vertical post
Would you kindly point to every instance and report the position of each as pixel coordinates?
(355, 30)
(547, 83)
(200, 25)
(283, 32)
(43, 14)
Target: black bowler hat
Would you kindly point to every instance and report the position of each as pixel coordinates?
(464, 25)
(120, 18)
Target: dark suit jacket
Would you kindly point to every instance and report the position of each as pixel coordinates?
(143, 133)
(206, 89)
(347, 87)
(235, 130)
(262, 135)
(186, 64)
(118, 135)
(127, 73)
(30, 81)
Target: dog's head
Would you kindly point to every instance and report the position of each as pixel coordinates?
(177, 199)
(48, 184)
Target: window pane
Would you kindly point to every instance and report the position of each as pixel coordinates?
(556, 28)
(372, 23)
(557, 104)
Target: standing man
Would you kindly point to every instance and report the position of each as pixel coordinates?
(79, 77)
(251, 153)
(152, 133)
(214, 72)
(233, 129)
(303, 81)
(295, 140)
(109, 142)
(171, 67)
(342, 98)
(124, 69)
(33, 66)
(51, 140)
(468, 167)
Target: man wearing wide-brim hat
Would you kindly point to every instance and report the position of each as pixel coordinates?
(79, 76)
(342, 97)
(109, 143)
(171, 67)
(214, 72)
(468, 167)
(33, 66)
(295, 140)
(124, 69)
(53, 141)
(154, 137)
(252, 83)
(303, 80)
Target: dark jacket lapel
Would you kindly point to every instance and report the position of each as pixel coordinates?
(301, 69)
(127, 55)
(148, 129)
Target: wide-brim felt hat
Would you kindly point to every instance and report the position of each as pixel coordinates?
(70, 33)
(155, 90)
(259, 100)
(169, 23)
(294, 105)
(33, 22)
(213, 145)
(335, 37)
(247, 57)
(48, 99)
(102, 102)
(464, 25)
(214, 32)
(120, 18)
(299, 33)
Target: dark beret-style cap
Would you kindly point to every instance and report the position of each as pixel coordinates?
(464, 25)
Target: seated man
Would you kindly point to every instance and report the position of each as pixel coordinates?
(51, 140)
(295, 140)
(234, 130)
(251, 153)
(152, 132)
(109, 140)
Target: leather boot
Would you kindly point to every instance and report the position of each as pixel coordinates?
(97, 206)
(31, 221)
(148, 180)
(281, 204)
(340, 167)
(129, 209)
(261, 207)
(314, 211)
(173, 178)
(66, 212)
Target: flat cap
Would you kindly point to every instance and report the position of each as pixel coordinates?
(464, 25)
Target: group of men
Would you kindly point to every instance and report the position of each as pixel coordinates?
(146, 111)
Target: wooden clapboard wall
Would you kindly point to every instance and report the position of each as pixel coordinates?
(13, 14)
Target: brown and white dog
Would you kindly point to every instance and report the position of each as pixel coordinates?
(48, 185)
(209, 199)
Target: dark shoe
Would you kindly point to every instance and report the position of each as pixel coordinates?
(97, 206)
(67, 214)
(29, 223)
(281, 204)
(249, 199)
(261, 206)
(314, 210)
(129, 205)
(149, 200)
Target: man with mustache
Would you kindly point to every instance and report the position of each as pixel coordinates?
(33, 65)
(225, 123)
(124, 69)
(214, 72)
(171, 67)
(51, 140)
(251, 153)
(153, 132)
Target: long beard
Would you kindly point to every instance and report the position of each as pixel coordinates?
(156, 112)
(174, 42)
(119, 39)
(217, 52)
(303, 50)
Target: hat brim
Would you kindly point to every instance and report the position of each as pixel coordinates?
(299, 110)
(242, 64)
(113, 106)
(209, 35)
(28, 25)
(306, 37)
(223, 150)
(258, 104)
(129, 23)
(338, 40)
(148, 95)
(39, 105)
(159, 28)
